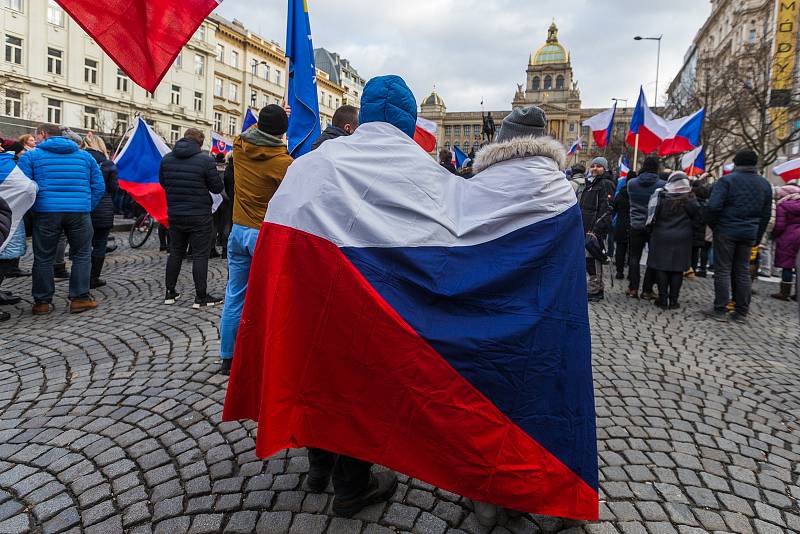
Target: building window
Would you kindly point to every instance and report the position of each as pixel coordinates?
(218, 87)
(476, 130)
(53, 111)
(90, 118)
(217, 121)
(122, 123)
(13, 49)
(265, 100)
(199, 64)
(90, 71)
(560, 82)
(330, 101)
(198, 101)
(54, 61)
(537, 82)
(234, 59)
(150, 95)
(13, 104)
(584, 131)
(548, 82)
(15, 5)
(220, 53)
(201, 33)
(572, 127)
(278, 75)
(233, 92)
(174, 133)
(752, 36)
(231, 125)
(447, 145)
(175, 95)
(266, 72)
(448, 131)
(55, 15)
(475, 145)
(122, 81)
(179, 61)
(254, 67)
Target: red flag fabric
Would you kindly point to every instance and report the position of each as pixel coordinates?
(143, 37)
(425, 134)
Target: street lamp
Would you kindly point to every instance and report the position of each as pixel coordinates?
(658, 60)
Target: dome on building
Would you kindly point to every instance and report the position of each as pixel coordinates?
(551, 52)
(433, 100)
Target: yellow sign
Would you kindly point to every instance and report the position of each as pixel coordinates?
(787, 20)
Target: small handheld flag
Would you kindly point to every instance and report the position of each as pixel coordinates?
(459, 157)
(425, 134)
(694, 163)
(304, 127)
(250, 119)
(788, 171)
(624, 167)
(220, 145)
(576, 147)
(650, 129)
(602, 126)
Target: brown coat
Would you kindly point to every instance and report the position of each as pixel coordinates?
(259, 165)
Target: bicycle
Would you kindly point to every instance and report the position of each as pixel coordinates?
(141, 230)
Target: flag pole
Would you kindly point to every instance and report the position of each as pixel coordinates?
(636, 154)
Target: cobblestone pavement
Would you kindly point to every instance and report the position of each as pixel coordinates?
(109, 422)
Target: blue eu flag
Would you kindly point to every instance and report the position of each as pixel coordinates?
(304, 126)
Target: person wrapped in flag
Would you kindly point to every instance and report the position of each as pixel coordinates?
(403, 316)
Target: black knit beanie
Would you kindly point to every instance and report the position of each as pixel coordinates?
(650, 164)
(272, 120)
(745, 158)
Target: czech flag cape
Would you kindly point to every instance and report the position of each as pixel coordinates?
(438, 326)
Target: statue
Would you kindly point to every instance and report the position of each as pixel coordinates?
(489, 128)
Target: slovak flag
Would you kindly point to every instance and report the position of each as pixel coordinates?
(137, 168)
(651, 129)
(220, 145)
(250, 119)
(788, 171)
(694, 163)
(143, 37)
(425, 134)
(684, 134)
(17, 190)
(624, 167)
(354, 340)
(602, 126)
(576, 147)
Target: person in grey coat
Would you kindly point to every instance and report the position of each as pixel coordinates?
(674, 212)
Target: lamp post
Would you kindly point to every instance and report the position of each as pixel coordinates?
(658, 59)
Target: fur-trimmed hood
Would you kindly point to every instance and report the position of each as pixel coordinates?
(518, 148)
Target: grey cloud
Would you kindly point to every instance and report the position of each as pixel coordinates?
(475, 50)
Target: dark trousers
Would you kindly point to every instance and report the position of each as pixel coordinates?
(350, 476)
(163, 237)
(223, 222)
(732, 262)
(621, 256)
(700, 258)
(636, 244)
(669, 286)
(47, 228)
(185, 231)
(100, 242)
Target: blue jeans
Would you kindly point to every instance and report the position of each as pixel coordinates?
(241, 247)
(47, 228)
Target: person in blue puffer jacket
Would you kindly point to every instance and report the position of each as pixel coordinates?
(70, 187)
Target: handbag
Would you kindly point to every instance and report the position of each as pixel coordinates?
(596, 249)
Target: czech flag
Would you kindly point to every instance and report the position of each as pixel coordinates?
(788, 171)
(576, 147)
(304, 128)
(694, 163)
(624, 167)
(685, 134)
(425, 134)
(651, 129)
(250, 119)
(143, 37)
(602, 126)
(220, 145)
(137, 168)
(434, 325)
(17, 190)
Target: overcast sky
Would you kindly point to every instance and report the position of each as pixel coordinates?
(477, 50)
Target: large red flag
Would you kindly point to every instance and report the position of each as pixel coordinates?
(143, 37)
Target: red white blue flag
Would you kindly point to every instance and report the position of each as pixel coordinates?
(434, 325)
(684, 134)
(650, 129)
(602, 126)
(788, 171)
(624, 167)
(694, 163)
(576, 147)
(220, 145)
(143, 37)
(18, 191)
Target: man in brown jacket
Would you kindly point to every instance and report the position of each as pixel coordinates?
(260, 160)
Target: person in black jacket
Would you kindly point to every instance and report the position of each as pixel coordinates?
(595, 199)
(188, 176)
(345, 122)
(103, 214)
(622, 224)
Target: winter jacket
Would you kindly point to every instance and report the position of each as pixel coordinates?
(388, 99)
(5, 220)
(331, 132)
(640, 189)
(787, 232)
(69, 179)
(187, 175)
(740, 205)
(622, 215)
(671, 235)
(595, 201)
(103, 214)
(260, 163)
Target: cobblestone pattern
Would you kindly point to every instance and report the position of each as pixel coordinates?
(109, 422)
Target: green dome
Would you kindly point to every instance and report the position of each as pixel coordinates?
(550, 53)
(433, 100)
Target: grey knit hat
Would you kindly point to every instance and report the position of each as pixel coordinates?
(600, 160)
(525, 122)
(72, 136)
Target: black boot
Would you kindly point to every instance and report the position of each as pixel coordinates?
(60, 271)
(97, 268)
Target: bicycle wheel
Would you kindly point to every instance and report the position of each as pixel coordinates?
(141, 230)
